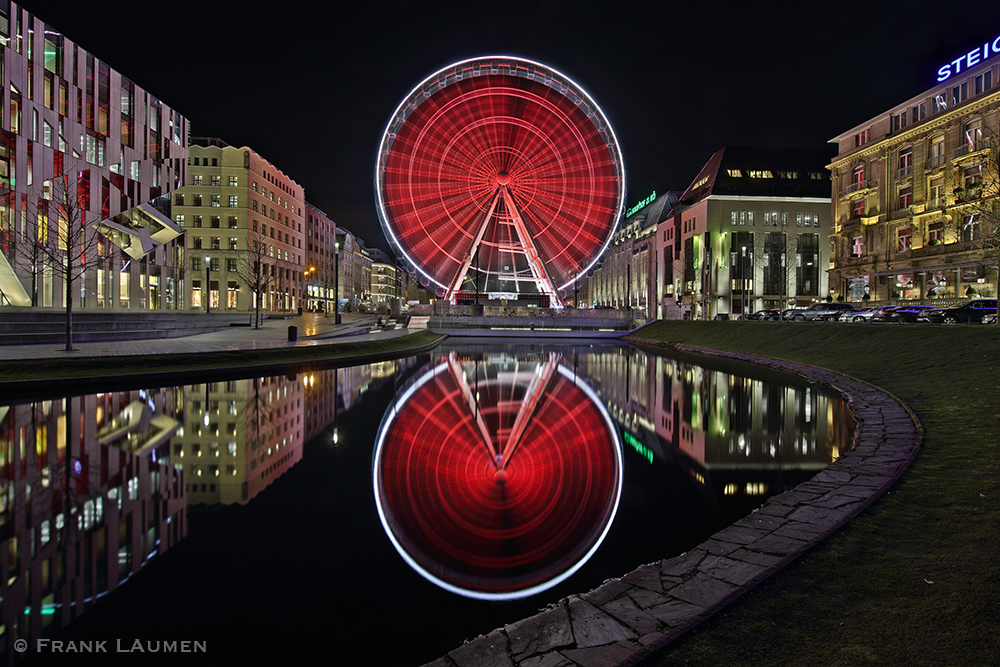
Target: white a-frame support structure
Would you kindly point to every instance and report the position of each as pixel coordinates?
(502, 212)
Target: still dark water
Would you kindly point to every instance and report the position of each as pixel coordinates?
(380, 514)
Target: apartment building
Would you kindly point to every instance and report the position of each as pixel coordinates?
(239, 211)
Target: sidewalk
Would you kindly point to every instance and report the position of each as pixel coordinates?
(312, 329)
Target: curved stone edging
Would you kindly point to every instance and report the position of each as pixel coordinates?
(626, 619)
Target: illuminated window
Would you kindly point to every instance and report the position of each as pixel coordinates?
(935, 232)
(973, 176)
(216, 181)
(970, 227)
(196, 179)
(234, 201)
(935, 192)
(974, 134)
(905, 196)
(905, 162)
(858, 246)
(903, 239)
(233, 222)
(233, 182)
(859, 207)
(863, 137)
(216, 201)
(858, 176)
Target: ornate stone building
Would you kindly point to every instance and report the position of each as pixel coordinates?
(913, 189)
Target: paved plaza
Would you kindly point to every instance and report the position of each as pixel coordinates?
(311, 329)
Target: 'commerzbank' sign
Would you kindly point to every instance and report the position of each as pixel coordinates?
(970, 59)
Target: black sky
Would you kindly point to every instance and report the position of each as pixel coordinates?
(311, 86)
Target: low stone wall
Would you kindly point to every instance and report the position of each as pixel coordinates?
(628, 618)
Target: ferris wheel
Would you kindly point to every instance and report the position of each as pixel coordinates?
(499, 175)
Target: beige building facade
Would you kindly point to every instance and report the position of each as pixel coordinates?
(749, 233)
(235, 201)
(912, 192)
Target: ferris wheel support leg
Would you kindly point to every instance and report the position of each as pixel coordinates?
(467, 262)
(530, 251)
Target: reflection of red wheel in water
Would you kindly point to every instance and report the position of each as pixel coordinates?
(498, 486)
(499, 174)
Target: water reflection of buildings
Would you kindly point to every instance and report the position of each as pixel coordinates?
(743, 427)
(85, 501)
(237, 436)
(331, 392)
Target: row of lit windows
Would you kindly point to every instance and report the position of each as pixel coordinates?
(774, 219)
(948, 98)
(213, 448)
(214, 181)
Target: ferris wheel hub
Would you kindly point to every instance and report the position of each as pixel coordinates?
(503, 178)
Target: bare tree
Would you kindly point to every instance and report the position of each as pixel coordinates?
(72, 242)
(255, 267)
(57, 239)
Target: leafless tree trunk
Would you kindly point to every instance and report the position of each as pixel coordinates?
(253, 266)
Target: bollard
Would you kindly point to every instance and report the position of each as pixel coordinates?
(293, 334)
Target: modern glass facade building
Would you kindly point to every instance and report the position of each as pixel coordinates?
(86, 156)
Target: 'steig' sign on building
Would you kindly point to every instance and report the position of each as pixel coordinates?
(970, 59)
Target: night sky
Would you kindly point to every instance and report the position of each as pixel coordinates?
(311, 87)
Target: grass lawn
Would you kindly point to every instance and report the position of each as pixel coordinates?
(915, 579)
(58, 369)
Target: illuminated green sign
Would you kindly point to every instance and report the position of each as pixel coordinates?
(642, 449)
(645, 202)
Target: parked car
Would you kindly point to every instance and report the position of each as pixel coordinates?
(823, 312)
(866, 315)
(969, 312)
(789, 313)
(903, 314)
(771, 315)
(990, 319)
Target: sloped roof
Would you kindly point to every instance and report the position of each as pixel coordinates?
(762, 172)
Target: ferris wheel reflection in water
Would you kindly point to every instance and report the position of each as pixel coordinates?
(497, 476)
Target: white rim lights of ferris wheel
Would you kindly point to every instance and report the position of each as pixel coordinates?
(446, 151)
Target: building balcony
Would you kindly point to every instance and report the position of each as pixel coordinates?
(857, 187)
(904, 172)
(935, 161)
(970, 149)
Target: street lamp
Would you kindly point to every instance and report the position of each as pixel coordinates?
(336, 280)
(743, 267)
(208, 284)
(305, 275)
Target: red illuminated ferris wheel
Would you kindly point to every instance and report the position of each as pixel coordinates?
(499, 175)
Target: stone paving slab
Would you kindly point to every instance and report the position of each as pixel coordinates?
(626, 619)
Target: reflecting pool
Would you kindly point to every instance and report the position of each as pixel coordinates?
(381, 514)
